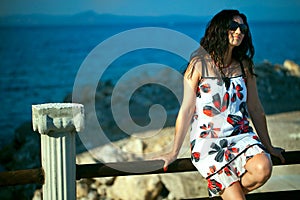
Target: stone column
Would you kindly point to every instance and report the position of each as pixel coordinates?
(58, 123)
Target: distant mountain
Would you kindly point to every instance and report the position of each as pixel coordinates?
(93, 18)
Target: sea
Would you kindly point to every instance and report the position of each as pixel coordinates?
(39, 64)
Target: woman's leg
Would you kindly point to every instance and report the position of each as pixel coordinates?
(234, 192)
(259, 169)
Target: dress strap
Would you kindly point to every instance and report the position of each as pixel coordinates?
(204, 71)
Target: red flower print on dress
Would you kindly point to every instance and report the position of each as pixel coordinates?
(224, 150)
(212, 170)
(240, 125)
(210, 131)
(228, 153)
(228, 171)
(237, 172)
(214, 186)
(237, 89)
(255, 137)
(243, 109)
(219, 106)
(195, 155)
(205, 88)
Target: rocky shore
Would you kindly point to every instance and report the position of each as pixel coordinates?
(279, 90)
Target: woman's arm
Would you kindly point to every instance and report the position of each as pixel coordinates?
(185, 114)
(258, 117)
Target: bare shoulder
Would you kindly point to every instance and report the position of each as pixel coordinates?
(194, 68)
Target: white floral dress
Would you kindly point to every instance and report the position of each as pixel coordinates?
(221, 138)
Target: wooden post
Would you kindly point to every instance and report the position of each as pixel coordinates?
(57, 123)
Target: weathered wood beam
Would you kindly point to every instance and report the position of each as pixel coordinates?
(22, 177)
(155, 167)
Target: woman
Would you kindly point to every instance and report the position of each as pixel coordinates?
(220, 94)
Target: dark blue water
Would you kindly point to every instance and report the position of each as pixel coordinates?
(39, 64)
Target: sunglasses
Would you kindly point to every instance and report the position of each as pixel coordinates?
(234, 25)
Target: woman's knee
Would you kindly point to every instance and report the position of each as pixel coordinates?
(262, 167)
(233, 192)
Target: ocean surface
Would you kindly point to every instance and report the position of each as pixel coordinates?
(38, 64)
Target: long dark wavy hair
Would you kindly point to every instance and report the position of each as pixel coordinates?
(215, 40)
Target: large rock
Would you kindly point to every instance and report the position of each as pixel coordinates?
(292, 67)
(184, 185)
(107, 153)
(145, 187)
(278, 85)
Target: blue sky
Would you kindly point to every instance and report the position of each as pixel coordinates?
(254, 9)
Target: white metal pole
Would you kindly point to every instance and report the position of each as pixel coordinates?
(58, 123)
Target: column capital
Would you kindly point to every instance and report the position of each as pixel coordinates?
(57, 117)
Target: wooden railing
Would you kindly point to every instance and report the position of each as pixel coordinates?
(21, 177)
(146, 167)
(36, 176)
(60, 182)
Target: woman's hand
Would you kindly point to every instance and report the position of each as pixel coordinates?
(168, 159)
(277, 152)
